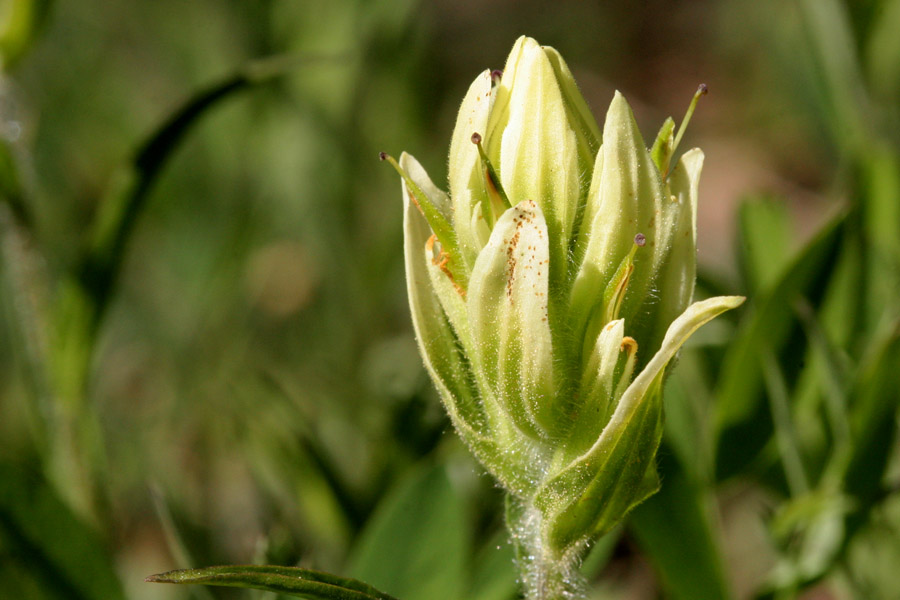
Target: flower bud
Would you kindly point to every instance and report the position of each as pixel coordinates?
(548, 304)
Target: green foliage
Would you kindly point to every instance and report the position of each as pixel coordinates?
(415, 545)
(48, 553)
(290, 581)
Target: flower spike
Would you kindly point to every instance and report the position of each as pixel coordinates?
(549, 305)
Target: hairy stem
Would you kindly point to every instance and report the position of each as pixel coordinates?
(544, 574)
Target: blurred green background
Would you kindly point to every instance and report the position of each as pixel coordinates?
(205, 351)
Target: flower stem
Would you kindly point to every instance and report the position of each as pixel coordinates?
(544, 574)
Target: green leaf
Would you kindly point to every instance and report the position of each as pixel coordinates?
(53, 554)
(11, 191)
(415, 545)
(494, 574)
(20, 24)
(685, 550)
(292, 581)
(764, 238)
(873, 422)
(826, 38)
(880, 187)
(743, 423)
(131, 185)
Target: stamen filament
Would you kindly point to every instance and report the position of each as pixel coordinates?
(499, 200)
(618, 285)
(701, 91)
(630, 346)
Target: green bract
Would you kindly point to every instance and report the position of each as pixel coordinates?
(549, 291)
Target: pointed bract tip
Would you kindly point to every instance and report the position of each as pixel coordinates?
(476, 138)
(640, 239)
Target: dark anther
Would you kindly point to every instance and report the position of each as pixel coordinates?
(382, 155)
(476, 138)
(703, 89)
(496, 74)
(640, 239)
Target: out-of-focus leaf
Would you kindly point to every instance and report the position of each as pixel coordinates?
(11, 186)
(290, 581)
(786, 439)
(743, 423)
(880, 182)
(765, 236)
(130, 186)
(811, 530)
(20, 23)
(175, 541)
(873, 423)
(675, 529)
(415, 546)
(883, 51)
(829, 40)
(494, 571)
(600, 553)
(47, 544)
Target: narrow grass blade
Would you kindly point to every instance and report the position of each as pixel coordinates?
(743, 423)
(47, 546)
(873, 423)
(675, 528)
(292, 581)
(127, 196)
(764, 238)
(415, 544)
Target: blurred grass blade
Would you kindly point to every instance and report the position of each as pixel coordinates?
(291, 581)
(48, 546)
(676, 530)
(493, 574)
(764, 235)
(786, 439)
(11, 191)
(880, 182)
(835, 68)
(743, 425)
(834, 375)
(415, 546)
(20, 24)
(129, 189)
(873, 422)
(175, 542)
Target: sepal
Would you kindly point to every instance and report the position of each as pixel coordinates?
(597, 489)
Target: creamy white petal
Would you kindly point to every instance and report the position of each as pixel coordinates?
(465, 169)
(507, 300)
